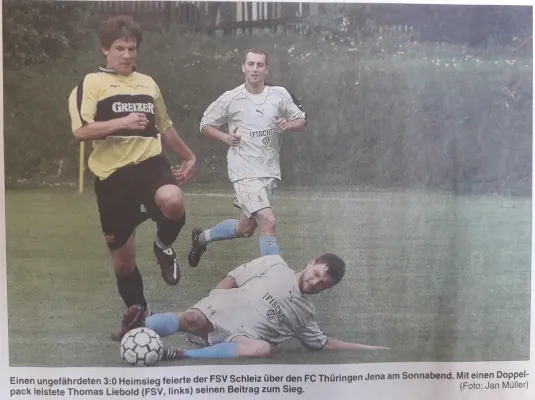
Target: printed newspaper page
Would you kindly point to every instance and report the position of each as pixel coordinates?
(279, 200)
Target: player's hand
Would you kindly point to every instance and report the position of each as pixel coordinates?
(184, 173)
(282, 124)
(233, 138)
(135, 121)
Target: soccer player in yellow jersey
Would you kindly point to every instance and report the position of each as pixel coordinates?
(123, 113)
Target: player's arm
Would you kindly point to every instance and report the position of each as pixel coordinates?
(216, 115)
(313, 338)
(245, 272)
(296, 125)
(212, 132)
(227, 283)
(172, 140)
(294, 120)
(102, 129)
(335, 344)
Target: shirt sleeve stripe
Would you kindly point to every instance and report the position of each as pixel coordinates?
(79, 98)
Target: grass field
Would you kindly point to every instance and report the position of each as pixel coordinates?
(435, 277)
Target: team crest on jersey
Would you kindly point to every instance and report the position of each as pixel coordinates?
(270, 314)
(266, 141)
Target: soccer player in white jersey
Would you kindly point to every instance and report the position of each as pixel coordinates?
(258, 305)
(257, 116)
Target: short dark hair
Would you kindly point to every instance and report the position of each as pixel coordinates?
(256, 51)
(119, 27)
(336, 267)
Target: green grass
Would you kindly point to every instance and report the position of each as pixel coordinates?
(435, 277)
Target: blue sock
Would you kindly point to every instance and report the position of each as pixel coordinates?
(221, 350)
(163, 324)
(223, 231)
(269, 245)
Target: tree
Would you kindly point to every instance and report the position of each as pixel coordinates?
(38, 31)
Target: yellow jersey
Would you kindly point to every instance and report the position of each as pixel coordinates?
(105, 95)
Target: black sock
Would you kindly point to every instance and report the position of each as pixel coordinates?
(131, 289)
(168, 230)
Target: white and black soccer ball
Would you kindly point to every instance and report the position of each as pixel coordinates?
(141, 346)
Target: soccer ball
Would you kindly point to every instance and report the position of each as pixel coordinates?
(141, 346)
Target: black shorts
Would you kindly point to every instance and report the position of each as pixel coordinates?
(126, 198)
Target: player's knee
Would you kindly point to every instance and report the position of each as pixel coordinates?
(123, 266)
(267, 223)
(193, 321)
(245, 231)
(260, 349)
(124, 257)
(170, 200)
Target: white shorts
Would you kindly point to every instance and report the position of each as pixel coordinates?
(252, 194)
(223, 316)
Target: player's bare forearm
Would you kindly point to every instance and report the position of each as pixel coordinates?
(171, 139)
(101, 129)
(98, 130)
(335, 344)
(296, 125)
(227, 283)
(212, 132)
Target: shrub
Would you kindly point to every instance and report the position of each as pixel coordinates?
(384, 112)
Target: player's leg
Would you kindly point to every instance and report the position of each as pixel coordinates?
(166, 324)
(225, 230)
(251, 196)
(247, 347)
(243, 227)
(190, 321)
(246, 226)
(265, 219)
(170, 222)
(166, 206)
(119, 217)
(129, 280)
(238, 347)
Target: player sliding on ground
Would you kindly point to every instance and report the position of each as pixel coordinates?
(258, 305)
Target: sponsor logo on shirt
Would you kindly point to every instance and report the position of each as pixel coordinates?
(119, 107)
(263, 133)
(275, 311)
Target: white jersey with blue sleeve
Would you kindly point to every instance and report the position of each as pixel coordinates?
(267, 305)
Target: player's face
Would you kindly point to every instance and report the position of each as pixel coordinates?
(315, 279)
(255, 69)
(121, 56)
